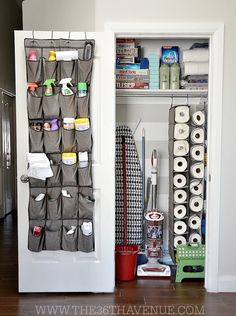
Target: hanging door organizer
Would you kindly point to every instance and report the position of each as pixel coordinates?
(59, 221)
(186, 176)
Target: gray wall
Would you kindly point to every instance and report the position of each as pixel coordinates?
(181, 11)
(10, 20)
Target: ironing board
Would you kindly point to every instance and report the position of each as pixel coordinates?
(133, 189)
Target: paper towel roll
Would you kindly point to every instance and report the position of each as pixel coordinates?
(181, 131)
(196, 203)
(180, 196)
(197, 135)
(179, 240)
(67, 55)
(197, 152)
(194, 222)
(195, 238)
(180, 211)
(181, 147)
(180, 227)
(181, 114)
(198, 118)
(197, 170)
(180, 164)
(179, 180)
(196, 187)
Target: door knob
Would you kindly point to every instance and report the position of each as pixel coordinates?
(24, 178)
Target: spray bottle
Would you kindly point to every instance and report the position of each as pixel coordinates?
(65, 90)
(49, 83)
(32, 88)
(52, 55)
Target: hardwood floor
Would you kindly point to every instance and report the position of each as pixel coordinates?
(139, 297)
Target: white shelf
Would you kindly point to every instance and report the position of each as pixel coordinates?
(160, 93)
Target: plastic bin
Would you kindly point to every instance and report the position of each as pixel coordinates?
(126, 262)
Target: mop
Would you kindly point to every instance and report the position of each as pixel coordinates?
(153, 231)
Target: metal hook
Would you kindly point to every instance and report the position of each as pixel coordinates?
(33, 36)
(69, 36)
(51, 35)
(85, 35)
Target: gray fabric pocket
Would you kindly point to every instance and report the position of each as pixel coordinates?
(68, 70)
(84, 140)
(52, 141)
(55, 180)
(37, 209)
(53, 234)
(69, 174)
(54, 203)
(85, 176)
(67, 105)
(36, 243)
(36, 141)
(70, 205)
(85, 70)
(69, 242)
(68, 140)
(50, 105)
(34, 70)
(50, 69)
(37, 182)
(82, 104)
(85, 243)
(34, 104)
(86, 207)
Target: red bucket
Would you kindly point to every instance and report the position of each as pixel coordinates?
(126, 262)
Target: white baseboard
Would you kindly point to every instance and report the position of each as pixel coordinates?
(227, 283)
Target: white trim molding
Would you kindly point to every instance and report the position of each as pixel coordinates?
(215, 33)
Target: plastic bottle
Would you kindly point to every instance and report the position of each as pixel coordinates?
(82, 89)
(32, 55)
(164, 77)
(68, 123)
(32, 86)
(49, 83)
(174, 76)
(65, 90)
(54, 125)
(52, 55)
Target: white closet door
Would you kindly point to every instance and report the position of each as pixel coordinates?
(61, 271)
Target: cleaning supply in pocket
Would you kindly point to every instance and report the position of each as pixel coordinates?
(71, 231)
(32, 86)
(47, 126)
(65, 82)
(82, 124)
(37, 230)
(170, 54)
(174, 76)
(54, 124)
(164, 76)
(82, 89)
(83, 159)
(49, 83)
(65, 193)
(69, 158)
(52, 55)
(87, 228)
(32, 55)
(69, 123)
(39, 197)
(67, 55)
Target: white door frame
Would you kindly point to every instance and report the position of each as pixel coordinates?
(215, 33)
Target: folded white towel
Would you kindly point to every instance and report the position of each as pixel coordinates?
(196, 55)
(38, 166)
(191, 68)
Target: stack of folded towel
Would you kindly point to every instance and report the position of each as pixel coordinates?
(195, 64)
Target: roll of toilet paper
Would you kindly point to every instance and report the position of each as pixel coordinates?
(197, 170)
(194, 222)
(181, 131)
(179, 240)
(179, 180)
(181, 147)
(197, 135)
(182, 114)
(195, 238)
(196, 203)
(197, 152)
(180, 211)
(198, 118)
(196, 187)
(180, 164)
(180, 227)
(180, 196)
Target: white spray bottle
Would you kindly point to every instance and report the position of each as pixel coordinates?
(65, 90)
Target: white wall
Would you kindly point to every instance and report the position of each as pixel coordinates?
(58, 15)
(172, 11)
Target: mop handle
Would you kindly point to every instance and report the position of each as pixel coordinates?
(124, 188)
